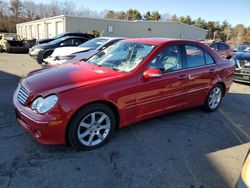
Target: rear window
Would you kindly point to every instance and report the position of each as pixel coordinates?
(222, 46)
(214, 46)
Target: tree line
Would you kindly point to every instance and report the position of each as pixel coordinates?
(17, 11)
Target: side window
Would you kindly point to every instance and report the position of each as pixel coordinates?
(214, 46)
(194, 56)
(77, 42)
(67, 42)
(209, 59)
(222, 46)
(168, 60)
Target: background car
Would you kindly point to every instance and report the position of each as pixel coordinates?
(222, 48)
(241, 47)
(10, 42)
(46, 40)
(81, 52)
(41, 51)
(82, 103)
(242, 64)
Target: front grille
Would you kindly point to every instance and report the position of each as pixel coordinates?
(22, 95)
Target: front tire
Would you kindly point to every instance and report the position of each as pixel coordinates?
(91, 127)
(214, 98)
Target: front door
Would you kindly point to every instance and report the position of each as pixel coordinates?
(155, 95)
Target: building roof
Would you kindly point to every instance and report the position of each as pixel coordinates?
(115, 20)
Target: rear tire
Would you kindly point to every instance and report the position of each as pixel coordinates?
(91, 127)
(214, 98)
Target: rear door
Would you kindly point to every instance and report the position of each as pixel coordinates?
(156, 95)
(201, 70)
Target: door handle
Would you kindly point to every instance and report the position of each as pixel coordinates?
(181, 77)
(211, 71)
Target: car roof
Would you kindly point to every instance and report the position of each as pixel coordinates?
(155, 41)
(68, 37)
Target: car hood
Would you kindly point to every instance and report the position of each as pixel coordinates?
(68, 50)
(43, 46)
(66, 77)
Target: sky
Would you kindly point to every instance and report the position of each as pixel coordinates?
(234, 11)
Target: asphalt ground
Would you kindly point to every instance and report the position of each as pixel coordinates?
(191, 148)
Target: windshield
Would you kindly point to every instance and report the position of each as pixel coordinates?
(123, 56)
(56, 41)
(93, 43)
(59, 36)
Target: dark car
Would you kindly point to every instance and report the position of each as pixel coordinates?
(241, 47)
(242, 64)
(46, 40)
(42, 51)
(12, 43)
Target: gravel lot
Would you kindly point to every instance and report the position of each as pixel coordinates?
(191, 148)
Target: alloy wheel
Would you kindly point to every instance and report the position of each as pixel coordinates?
(94, 128)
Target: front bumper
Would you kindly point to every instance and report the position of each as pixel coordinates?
(242, 76)
(52, 61)
(45, 128)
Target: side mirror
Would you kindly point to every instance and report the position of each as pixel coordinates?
(152, 73)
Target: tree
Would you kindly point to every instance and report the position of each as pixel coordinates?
(15, 7)
(155, 15)
(133, 14)
(247, 36)
(174, 18)
(239, 31)
(201, 23)
(110, 14)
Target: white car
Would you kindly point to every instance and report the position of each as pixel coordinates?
(84, 51)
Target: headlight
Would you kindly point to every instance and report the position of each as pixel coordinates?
(68, 57)
(43, 105)
(36, 50)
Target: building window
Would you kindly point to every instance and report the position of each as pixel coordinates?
(110, 29)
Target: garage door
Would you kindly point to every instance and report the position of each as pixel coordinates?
(59, 28)
(49, 30)
(39, 31)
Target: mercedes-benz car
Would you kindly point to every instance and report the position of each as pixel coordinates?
(83, 103)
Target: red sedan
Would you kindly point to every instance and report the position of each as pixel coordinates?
(84, 102)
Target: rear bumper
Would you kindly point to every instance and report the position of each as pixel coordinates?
(14, 49)
(46, 128)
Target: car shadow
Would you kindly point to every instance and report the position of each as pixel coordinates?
(166, 151)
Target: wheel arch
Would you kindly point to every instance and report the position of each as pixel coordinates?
(223, 86)
(110, 104)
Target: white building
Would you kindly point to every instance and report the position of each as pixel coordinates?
(49, 27)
